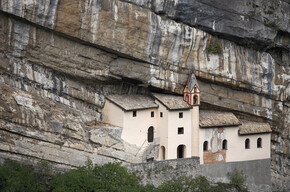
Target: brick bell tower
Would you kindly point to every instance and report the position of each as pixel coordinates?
(191, 94)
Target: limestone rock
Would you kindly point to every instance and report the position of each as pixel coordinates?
(59, 60)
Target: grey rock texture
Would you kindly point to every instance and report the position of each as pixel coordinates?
(243, 21)
(37, 127)
(71, 53)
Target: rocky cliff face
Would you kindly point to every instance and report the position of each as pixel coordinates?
(59, 58)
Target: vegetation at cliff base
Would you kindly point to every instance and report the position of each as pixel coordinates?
(111, 177)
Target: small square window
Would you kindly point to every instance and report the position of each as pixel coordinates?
(161, 114)
(180, 130)
(181, 115)
(134, 113)
(152, 113)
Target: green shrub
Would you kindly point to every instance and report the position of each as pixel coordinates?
(16, 177)
(109, 177)
(185, 184)
(237, 179)
(214, 48)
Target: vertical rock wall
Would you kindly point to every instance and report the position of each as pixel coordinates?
(74, 52)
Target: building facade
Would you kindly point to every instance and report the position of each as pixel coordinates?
(181, 130)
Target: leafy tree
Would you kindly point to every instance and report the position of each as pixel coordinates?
(15, 177)
(110, 177)
(237, 179)
(185, 184)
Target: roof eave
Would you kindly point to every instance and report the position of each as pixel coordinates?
(138, 109)
(214, 126)
(179, 109)
(255, 133)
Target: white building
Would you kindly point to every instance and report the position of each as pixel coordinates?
(181, 130)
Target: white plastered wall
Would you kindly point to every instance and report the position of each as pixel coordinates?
(237, 151)
(175, 139)
(162, 129)
(135, 128)
(113, 114)
(236, 145)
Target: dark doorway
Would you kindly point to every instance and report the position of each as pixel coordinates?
(150, 134)
(162, 153)
(181, 151)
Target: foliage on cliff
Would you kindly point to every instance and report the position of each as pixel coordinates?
(107, 178)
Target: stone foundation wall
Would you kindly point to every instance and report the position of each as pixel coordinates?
(258, 171)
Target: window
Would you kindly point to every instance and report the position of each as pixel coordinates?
(195, 89)
(134, 113)
(181, 151)
(247, 144)
(180, 130)
(161, 114)
(195, 99)
(259, 143)
(225, 144)
(187, 98)
(152, 113)
(205, 146)
(181, 115)
(150, 134)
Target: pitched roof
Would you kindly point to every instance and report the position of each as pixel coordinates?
(132, 102)
(217, 119)
(191, 81)
(250, 127)
(172, 102)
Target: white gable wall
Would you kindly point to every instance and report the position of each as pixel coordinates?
(113, 114)
(135, 128)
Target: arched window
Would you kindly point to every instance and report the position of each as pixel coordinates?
(187, 98)
(259, 143)
(195, 99)
(162, 154)
(150, 134)
(181, 151)
(247, 144)
(205, 146)
(225, 144)
(195, 89)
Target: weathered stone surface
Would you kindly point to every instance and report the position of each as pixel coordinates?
(71, 53)
(39, 128)
(244, 21)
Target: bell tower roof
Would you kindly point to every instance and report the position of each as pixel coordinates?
(191, 82)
